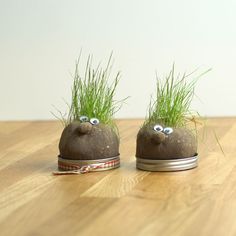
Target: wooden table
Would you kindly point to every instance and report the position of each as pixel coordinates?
(124, 201)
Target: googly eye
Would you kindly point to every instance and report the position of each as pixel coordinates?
(94, 121)
(158, 128)
(168, 130)
(84, 118)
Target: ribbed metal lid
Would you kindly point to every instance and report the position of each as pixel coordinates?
(167, 165)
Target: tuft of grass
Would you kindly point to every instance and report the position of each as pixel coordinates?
(93, 94)
(171, 104)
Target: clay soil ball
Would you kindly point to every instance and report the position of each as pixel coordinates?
(84, 141)
(156, 145)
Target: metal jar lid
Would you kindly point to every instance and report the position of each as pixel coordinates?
(167, 165)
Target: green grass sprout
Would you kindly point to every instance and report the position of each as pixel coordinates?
(171, 104)
(93, 94)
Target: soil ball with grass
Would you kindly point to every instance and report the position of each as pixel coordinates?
(166, 141)
(90, 135)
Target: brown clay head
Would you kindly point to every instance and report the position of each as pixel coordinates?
(88, 139)
(156, 141)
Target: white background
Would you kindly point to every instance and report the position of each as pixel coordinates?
(41, 39)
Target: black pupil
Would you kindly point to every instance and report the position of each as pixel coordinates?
(95, 121)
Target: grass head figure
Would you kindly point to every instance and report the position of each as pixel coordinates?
(165, 142)
(90, 135)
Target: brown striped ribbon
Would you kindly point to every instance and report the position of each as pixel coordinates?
(66, 166)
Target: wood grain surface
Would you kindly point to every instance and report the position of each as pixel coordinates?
(124, 201)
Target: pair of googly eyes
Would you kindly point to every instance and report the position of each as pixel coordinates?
(166, 130)
(93, 121)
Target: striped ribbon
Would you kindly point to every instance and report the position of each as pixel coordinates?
(66, 166)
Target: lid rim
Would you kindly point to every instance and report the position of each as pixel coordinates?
(167, 165)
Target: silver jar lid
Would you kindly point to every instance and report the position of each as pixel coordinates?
(167, 165)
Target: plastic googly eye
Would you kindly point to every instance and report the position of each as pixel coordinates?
(94, 121)
(158, 128)
(84, 118)
(168, 130)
